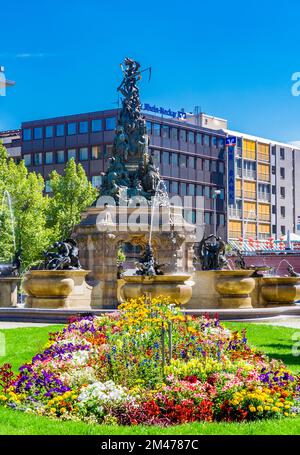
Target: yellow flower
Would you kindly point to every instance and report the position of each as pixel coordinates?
(260, 408)
(267, 408)
(275, 409)
(63, 410)
(53, 410)
(252, 409)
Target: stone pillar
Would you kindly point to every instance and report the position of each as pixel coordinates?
(9, 291)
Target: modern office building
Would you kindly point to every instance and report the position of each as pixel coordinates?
(12, 141)
(191, 157)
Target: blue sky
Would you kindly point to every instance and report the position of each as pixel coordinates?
(234, 59)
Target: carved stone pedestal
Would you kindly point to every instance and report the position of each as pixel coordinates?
(103, 230)
(235, 287)
(9, 291)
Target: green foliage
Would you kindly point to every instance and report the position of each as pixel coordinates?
(29, 209)
(121, 257)
(72, 193)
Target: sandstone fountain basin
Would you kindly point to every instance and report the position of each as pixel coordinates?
(57, 289)
(177, 287)
(280, 291)
(234, 288)
(9, 291)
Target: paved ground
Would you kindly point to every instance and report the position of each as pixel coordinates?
(17, 325)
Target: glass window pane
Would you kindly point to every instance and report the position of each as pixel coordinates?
(206, 139)
(191, 137)
(37, 159)
(191, 162)
(27, 159)
(214, 141)
(156, 157)
(149, 127)
(207, 218)
(49, 158)
(96, 152)
(48, 188)
(165, 131)
(83, 154)
(60, 130)
(207, 191)
(175, 187)
(110, 123)
(60, 156)
(221, 142)
(166, 158)
(175, 159)
(183, 189)
(182, 161)
(156, 129)
(83, 127)
(183, 135)
(49, 131)
(96, 125)
(213, 166)
(71, 154)
(38, 133)
(71, 128)
(27, 134)
(221, 167)
(199, 138)
(96, 181)
(174, 134)
(199, 190)
(191, 189)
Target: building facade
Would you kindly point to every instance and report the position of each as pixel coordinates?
(191, 157)
(12, 141)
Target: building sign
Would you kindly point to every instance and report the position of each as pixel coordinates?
(230, 144)
(161, 110)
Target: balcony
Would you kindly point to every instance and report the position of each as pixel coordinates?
(249, 194)
(262, 196)
(264, 177)
(264, 217)
(249, 174)
(234, 213)
(250, 215)
(262, 157)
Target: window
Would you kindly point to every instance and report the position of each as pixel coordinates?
(221, 166)
(221, 142)
(96, 181)
(214, 141)
(108, 150)
(273, 170)
(71, 154)
(199, 190)
(83, 154)
(206, 139)
(60, 156)
(282, 154)
(37, 159)
(282, 230)
(199, 138)
(274, 209)
(191, 189)
(282, 173)
(174, 134)
(273, 189)
(49, 158)
(167, 183)
(182, 135)
(282, 212)
(156, 129)
(156, 157)
(96, 125)
(49, 131)
(207, 191)
(199, 163)
(183, 189)
(182, 161)
(282, 192)
(263, 151)
(213, 166)
(221, 219)
(27, 134)
(38, 133)
(249, 149)
(207, 218)
(27, 159)
(71, 129)
(274, 154)
(191, 137)
(48, 188)
(149, 127)
(175, 187)
(110, 123)
(84, 127)
(60, 130)
(206, 165)
(175, 159)
(165, 131)
(96, 151)
(191, 162)
(166, 158)
(274, 229)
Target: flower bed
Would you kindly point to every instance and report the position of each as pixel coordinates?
(150, 364)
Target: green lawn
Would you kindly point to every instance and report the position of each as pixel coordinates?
(22, 344)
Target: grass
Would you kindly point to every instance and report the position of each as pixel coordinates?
(22, 344)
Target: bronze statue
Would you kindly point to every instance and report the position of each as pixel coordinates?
(147, 266)
(212, 253)
(12, 268)
(131, 167)
(62, 255)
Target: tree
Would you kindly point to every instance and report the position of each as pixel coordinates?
(72, 193)
(26, 230)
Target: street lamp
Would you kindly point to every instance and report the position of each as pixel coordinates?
(214, 196)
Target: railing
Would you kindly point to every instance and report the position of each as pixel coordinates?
(262, 157)
(249, 215)
(264, 217)
(264, 177)
(239, 172)
(262, 196)
(263, 235)
(249, 174)
(249, 194)
(235, 213)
